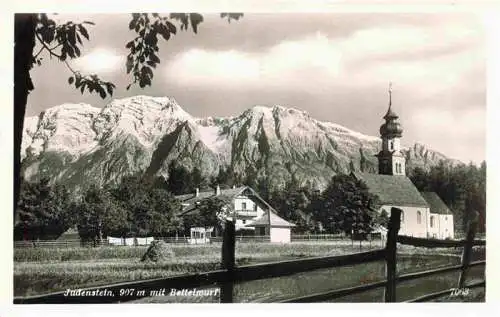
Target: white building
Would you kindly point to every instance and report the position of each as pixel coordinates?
(440, 219)
(424, 214)
(252, 211)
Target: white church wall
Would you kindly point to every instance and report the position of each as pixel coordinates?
(447, 230)
(442, 226)
(409, 220)
(434, 226)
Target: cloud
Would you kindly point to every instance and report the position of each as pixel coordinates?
(381, 54)
(275, 66)
(460, 133)
(100, 60)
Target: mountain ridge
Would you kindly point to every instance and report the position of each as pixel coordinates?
(79, 144)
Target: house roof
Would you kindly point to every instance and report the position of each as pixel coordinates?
(270, 219)
(397, 190)
(436, 204)
(190, 201)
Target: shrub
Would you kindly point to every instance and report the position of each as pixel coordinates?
(158, 251)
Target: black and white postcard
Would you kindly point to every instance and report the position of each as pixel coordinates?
(244, 157)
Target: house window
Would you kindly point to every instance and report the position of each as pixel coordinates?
(445, 218)
(244, 221)
(432, 221)
(244, 206)
(254, 207)
(419, 217)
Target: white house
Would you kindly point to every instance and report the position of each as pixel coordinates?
(270, 224)
(424, 214)
(248, 208)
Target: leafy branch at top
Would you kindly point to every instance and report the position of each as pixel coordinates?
(149, 28)
(63, 41)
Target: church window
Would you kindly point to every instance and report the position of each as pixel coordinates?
(419, 217)
(432, 221)
(391, 145)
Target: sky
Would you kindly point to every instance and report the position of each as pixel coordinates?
(336, 66)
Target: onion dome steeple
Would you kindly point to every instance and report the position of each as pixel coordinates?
(391, 128)
(391, 161)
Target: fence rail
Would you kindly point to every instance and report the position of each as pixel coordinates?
(71, 243)
(229, 274)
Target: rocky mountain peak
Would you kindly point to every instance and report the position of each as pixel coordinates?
(79, 144)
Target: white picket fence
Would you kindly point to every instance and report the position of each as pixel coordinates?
(184, 240)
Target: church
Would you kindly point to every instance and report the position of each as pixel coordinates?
(424, 213)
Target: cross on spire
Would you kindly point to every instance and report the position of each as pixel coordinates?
(390, 94)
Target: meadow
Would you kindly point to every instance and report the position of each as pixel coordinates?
(43, 270)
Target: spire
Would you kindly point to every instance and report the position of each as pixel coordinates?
(390, 95)
(390, 114)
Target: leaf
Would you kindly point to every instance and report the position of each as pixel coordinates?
(171, 27)
(71, 80)
(72, 36)
(77, 51)
(132, 24)
(109, 88)
(196, 19)
(129, 44)
(130, 63)
(102, 93)
(151, 63)
(154, 58)
(164, 31)
(78, 81)
(83, 31)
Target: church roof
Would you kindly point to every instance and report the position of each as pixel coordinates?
(270, 218)
(390, 114)
(396, 190)
(436, 203)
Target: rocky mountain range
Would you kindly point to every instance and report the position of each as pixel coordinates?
(79, 144)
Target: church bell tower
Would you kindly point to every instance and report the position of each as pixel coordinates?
(391, 161)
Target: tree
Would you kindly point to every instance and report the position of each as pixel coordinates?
(348, 206)
(91, 212)
(294, 204)
(210, 212)
(462, 188)
(64, 41)
(180, 180)
(152, 209)
(44, 211)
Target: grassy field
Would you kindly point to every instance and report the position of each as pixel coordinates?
(43, 270)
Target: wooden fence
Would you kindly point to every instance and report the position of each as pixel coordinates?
(229, 274)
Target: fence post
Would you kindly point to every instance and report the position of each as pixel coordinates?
(228, 261)
(467, 252)
(390, 254)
